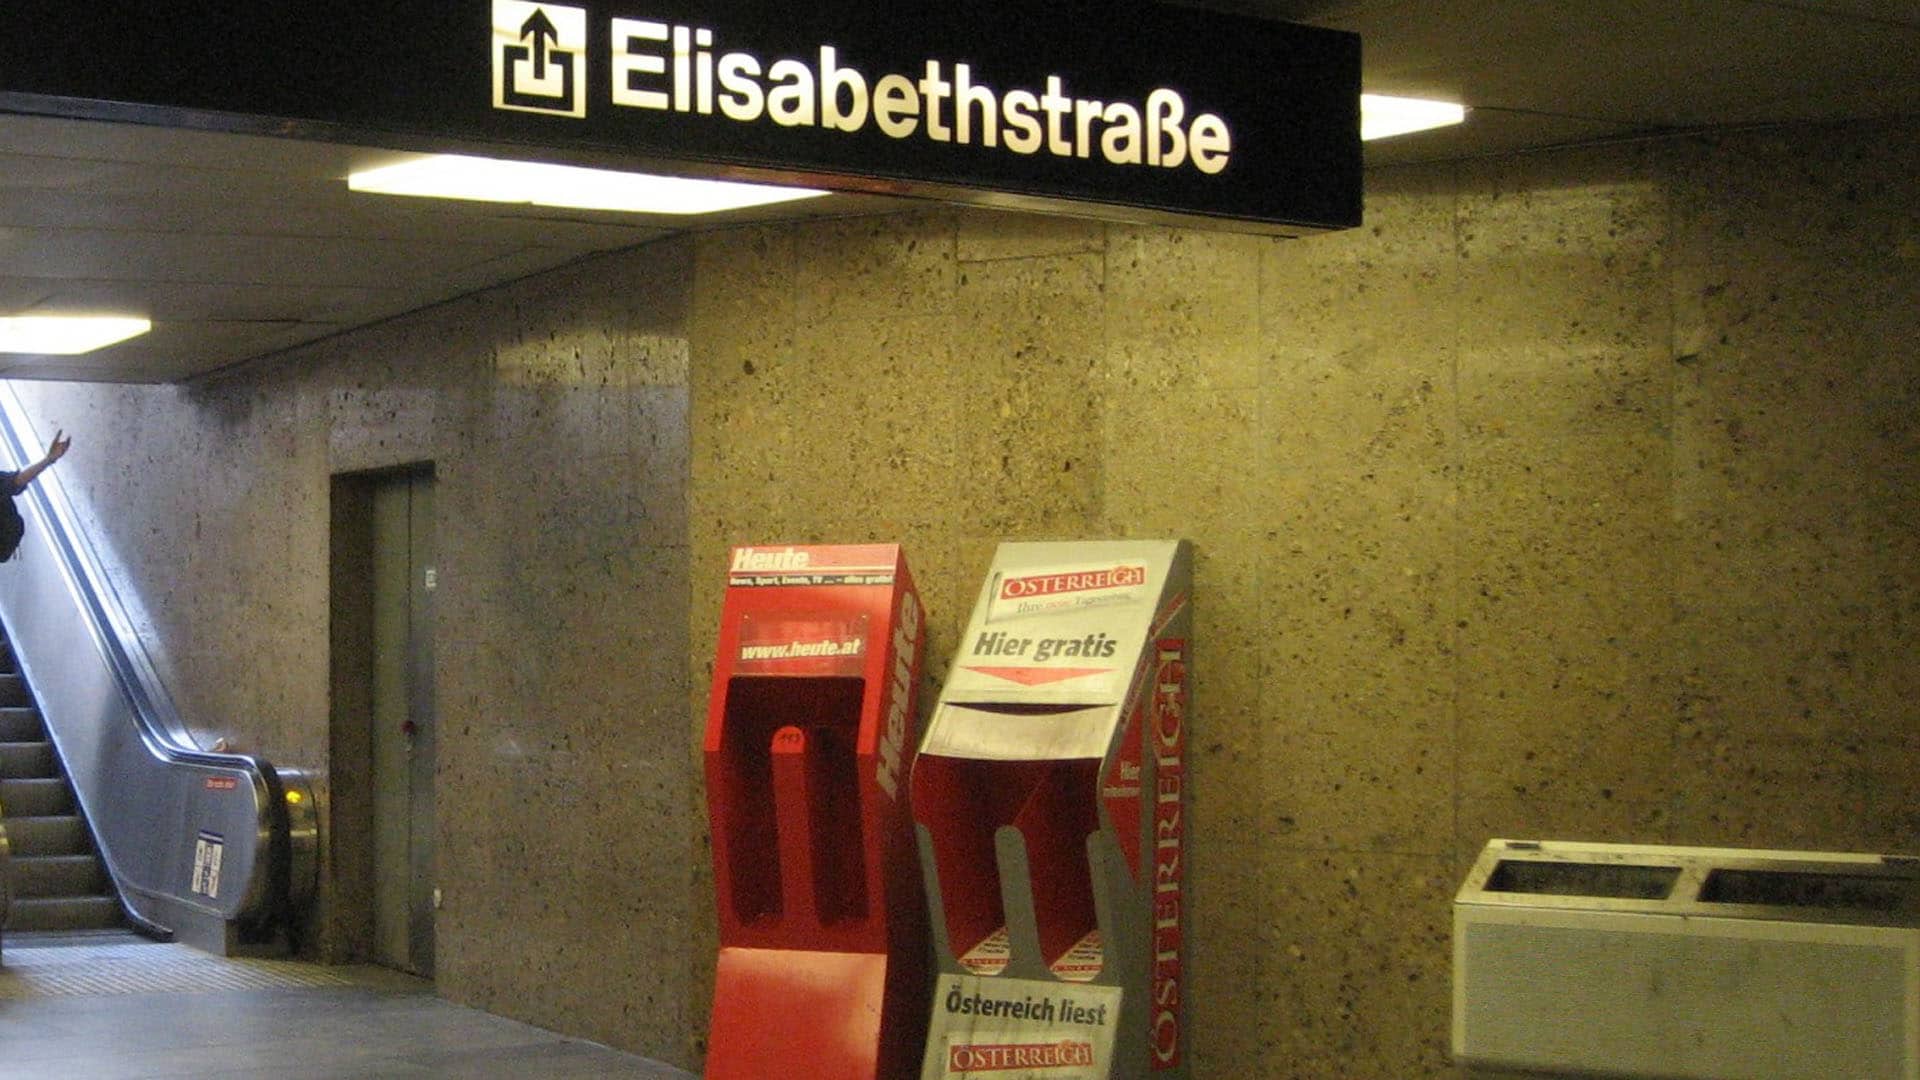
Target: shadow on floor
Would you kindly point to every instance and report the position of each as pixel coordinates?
(113, 1006)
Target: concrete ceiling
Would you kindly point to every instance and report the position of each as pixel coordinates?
(1538, 73)
(240, 247)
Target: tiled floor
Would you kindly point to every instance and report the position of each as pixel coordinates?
(117, 1007)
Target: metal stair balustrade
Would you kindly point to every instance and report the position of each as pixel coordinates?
(217, 850)
(6, 876)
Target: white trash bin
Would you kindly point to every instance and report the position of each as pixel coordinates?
(1611, 960)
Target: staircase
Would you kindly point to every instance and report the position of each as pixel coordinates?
(59, 882)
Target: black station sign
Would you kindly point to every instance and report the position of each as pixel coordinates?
(1130, 109)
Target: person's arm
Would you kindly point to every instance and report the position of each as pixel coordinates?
(55, 451)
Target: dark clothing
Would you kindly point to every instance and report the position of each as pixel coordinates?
(12, 528)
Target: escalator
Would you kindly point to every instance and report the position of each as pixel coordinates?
(57, 877)
(112, 814)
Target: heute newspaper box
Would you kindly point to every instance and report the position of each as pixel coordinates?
(1049, 800)
(809, 744)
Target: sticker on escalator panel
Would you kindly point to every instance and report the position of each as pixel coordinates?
(207, 849)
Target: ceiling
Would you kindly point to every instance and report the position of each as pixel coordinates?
(240, 247)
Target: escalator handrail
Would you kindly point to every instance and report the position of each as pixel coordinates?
(156, 719)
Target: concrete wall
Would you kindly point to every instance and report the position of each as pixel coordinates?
(554, 413)
(1572, 496)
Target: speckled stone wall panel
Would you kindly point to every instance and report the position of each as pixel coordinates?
(1182, 309)
(1565, 682)
(214, 528)
(1359, 464)
(1569, 496)
(985, 235)
(874, 269)
(1356, 953)
(1797, 455)
(554, 413)
(1023, 425)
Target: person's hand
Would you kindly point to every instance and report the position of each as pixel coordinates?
(58, 448)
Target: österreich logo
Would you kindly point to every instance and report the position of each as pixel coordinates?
(1118, 577)
(968, 1058)
(539, 57)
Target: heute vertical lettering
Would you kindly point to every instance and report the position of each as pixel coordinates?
(893, 741)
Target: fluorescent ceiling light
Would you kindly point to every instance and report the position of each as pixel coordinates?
(451, 176)
(1382, 116)
(66, 335)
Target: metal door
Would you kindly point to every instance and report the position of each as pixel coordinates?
(402, 765)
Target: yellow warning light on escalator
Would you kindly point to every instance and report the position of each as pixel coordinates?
(293, 797)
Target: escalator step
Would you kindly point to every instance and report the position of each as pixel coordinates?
(37, 877)
(13, 690)
(51, 835)
(21, 723)
(25, 760)
(40, 797)
(64, 913)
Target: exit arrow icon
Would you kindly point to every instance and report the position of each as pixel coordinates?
(540, 30)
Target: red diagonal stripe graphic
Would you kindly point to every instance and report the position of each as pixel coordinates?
(1030, 676)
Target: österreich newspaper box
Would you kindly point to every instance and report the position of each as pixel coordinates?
(1049, 801)
(810, 741)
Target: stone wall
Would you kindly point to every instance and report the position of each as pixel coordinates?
(1572, 496)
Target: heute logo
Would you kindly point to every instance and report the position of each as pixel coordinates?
(749, 560)
(894, 738)
(969, 1058)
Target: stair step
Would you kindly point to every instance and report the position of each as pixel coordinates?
(64, 913)
(24, 760)
(21, 723)
(54, 876)
(63, 834)
(13, 690)
(38, 797)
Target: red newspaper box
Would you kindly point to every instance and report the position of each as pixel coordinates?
(810, 739)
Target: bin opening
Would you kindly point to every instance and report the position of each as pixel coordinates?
(1808, 889)
(827, 709)
(1024, 708)
(968, 801)
(1613, 880)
